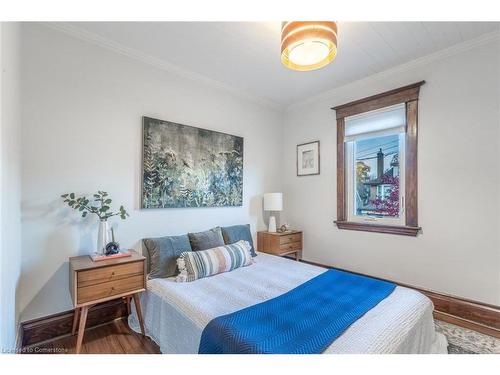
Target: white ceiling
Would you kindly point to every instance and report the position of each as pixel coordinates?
(246, 55)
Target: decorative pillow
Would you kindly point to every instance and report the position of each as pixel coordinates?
(206, 240)
(237, 233)
(163, 253)
(195, 265)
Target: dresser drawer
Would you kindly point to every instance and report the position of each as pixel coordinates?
(291, 246)
(288, 238)
(109, 289)
(110, 273)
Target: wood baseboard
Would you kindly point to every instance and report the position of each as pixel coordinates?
(478, 316)
(466, 324)
(50, 327)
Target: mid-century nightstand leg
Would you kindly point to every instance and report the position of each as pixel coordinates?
(75, 320)
(128, 298)
(137, 301)
(81, 328)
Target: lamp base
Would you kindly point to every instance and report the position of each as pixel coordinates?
(272, 224)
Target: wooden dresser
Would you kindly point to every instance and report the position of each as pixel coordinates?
(280, 243)
(94, 282)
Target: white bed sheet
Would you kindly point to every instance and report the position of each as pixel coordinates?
(175, 314)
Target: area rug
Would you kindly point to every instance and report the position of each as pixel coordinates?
(466, 341)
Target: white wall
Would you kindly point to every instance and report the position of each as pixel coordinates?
(10, 196)
(82, 108)
(459, 179)
(81, 131)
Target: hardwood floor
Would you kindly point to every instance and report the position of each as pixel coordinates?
(112, 338)
(117, 338)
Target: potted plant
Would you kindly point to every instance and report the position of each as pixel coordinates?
(99, 205)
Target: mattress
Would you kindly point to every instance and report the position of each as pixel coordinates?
(175, 314)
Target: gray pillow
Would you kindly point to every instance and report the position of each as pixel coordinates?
(163, 253)
(206, 240)
(237, 233)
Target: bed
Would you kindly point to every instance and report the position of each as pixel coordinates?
(175, 314)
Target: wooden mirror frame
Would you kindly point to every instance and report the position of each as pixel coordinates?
(408, 95)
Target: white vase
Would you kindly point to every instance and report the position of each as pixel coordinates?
(103, 237)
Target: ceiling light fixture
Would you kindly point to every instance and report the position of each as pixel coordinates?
(308, 45)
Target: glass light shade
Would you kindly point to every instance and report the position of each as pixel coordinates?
(308, 45)
(309, 52)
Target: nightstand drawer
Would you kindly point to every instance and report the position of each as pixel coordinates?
(296, 237)
(110, 288)
(280, 244)
(105, 274)
(291, 246)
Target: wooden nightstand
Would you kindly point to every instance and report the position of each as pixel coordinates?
(94, 282)
(280, 243)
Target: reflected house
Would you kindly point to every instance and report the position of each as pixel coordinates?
(379, 187)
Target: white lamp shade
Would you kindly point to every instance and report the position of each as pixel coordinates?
(273, 201)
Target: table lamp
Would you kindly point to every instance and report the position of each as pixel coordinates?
(273, 202)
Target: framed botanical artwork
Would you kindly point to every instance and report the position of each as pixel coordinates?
(184, 166)
(308, 159)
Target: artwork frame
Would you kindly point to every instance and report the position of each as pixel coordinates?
(308, 159)
(185, 166)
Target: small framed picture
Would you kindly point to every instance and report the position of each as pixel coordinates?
(308, 159)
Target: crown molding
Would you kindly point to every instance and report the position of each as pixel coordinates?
(411, 65)
(135, 54)
(178, 71)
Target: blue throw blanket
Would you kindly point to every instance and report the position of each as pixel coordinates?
(305, 320)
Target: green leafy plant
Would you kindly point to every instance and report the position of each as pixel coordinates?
(99, 205)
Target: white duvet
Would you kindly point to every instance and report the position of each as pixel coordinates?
(175, 314)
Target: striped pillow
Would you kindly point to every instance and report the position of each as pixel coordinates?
(195, 265)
